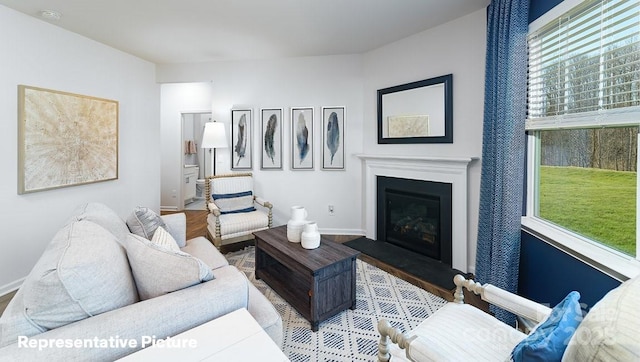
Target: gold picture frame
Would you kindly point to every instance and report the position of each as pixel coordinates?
(65, 139)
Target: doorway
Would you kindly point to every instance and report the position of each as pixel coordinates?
(196, 161)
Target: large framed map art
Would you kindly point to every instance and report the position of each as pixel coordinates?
(65, 139)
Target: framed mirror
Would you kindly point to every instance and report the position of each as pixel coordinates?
(417, 112)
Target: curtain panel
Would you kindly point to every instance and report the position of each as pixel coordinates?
(503, 149)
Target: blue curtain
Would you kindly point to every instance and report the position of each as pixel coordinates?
(503, 147)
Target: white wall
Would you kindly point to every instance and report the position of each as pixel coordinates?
(178, 98)
(283, 83)
(458, 48)
(39, 54)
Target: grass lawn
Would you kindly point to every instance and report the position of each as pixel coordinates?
(599, 204)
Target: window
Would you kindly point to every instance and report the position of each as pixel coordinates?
(583, 117)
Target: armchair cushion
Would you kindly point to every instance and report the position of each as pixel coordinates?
(144, 222)
(472, 333)
(549, 340)
(233, 225)
(159, 271)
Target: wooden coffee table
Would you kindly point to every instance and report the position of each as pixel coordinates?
(318, 283)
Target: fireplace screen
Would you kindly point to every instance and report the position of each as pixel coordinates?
(415, 215)
(413, 221)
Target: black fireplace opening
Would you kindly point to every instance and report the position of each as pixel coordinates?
(415, 215)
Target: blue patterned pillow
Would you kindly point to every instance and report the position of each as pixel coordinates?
(235, 202)
(550, 339)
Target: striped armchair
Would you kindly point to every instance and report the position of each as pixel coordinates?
(461, 332)
(233, 216)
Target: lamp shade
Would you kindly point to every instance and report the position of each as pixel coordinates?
(214, 135)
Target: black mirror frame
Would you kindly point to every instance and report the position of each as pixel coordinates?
(447, 80)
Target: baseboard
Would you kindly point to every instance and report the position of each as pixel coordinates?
(8, 288)
(359, 232)
(168, 208)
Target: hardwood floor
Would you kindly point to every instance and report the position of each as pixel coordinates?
(5, 299)
(196, 222)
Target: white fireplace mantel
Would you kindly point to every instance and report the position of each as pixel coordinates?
(437, 169)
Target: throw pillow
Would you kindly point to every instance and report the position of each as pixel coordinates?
(610, 330)
(83, 272)
(234, 203)
(102, 215)
(233, 194)
(158, 270)
(163, 239)
(144, 222)
(549, 340)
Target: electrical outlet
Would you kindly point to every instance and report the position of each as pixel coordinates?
(331, 210)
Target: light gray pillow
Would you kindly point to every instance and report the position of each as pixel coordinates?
(158, 270)
(102, 215)
(83, 272)
(144, 222)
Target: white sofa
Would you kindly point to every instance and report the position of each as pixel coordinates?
(96, 294)
(461, 332)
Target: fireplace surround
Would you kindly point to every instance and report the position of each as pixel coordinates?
(449, 170)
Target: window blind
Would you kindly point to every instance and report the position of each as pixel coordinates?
(584, 67)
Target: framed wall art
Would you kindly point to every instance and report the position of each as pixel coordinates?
(417, 112)
(302, 138)
(65, 139)
(333, 120)
(271, 119)
(241, 139)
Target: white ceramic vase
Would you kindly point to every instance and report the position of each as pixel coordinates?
(310, 236)
(296, 223)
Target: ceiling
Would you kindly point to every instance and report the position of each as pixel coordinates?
(192, 31)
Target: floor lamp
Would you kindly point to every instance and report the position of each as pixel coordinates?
(214, 136)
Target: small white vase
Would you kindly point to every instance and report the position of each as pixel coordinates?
(298, 213)
(294, 230)
(296, 223)
(310, 237)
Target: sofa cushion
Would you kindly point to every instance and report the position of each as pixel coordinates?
(202, 249)
(13, 322)
(609, 332)
(83, 272)
(158, 271)
(144, 222)
(549, 340)
(102, 215)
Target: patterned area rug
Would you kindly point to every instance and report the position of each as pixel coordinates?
(350, 335)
